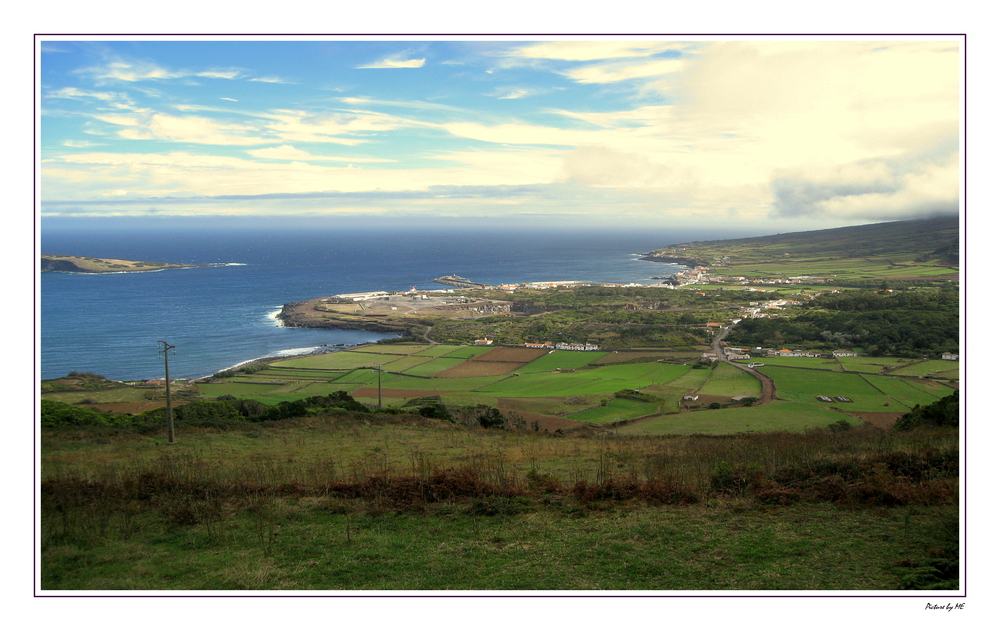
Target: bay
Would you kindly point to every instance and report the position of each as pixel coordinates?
(217, 317)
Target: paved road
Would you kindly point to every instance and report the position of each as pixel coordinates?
(766, 384)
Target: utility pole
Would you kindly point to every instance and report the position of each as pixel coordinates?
(378, 368)
(166, 369)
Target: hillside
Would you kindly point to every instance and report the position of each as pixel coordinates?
(894, 250)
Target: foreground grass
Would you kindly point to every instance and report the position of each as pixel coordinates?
(322, 544)
(375, 502)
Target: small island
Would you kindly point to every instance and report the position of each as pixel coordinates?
(93, 265)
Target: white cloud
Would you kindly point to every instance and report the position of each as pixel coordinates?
(288, 152)
(271, 80)
(594, 50)
(512, 92)
(611, 73)
(398, 60)
(219, 74)
(120, 70)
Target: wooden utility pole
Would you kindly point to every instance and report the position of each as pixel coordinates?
(378, 368)
(166, 369)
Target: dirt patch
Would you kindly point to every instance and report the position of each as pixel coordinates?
(131, 407)
(479, 369)
(934, 385)
(885, 420)
(520, 355)
(545, 422)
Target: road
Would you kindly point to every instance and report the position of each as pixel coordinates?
(766, 384)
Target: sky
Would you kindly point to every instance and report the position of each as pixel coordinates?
(787, 133)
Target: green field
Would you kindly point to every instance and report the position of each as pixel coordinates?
(805, 385)
(778, 416)
(730, 381)
(616, 410)
(561, 360)
(819, 363)
(336, 361)
(905, 391)
(873, 364)
(930, 367)
(434, 366)
(457, 351)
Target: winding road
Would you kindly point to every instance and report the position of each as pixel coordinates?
(766, 384)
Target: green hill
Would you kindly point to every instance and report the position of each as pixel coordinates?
(898, 249)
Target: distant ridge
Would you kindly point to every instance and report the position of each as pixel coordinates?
(926, 239)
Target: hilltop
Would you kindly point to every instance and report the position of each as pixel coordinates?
(897, 250)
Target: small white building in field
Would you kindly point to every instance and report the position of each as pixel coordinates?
(950, 356)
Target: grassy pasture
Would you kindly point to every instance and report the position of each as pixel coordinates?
(620, 357)
(467, 352)
(730, 381)
(929, 367)
(339, 360)
(805, 385)
(795, 362)
(872, 364)
(565, 360)
(113, 395)
(778, 416)
(904, 391)
(616, 410)
(432, 367)
(392, 349)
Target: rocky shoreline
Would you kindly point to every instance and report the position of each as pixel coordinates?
(303, 315)
(677, 260)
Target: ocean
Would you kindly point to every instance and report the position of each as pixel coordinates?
(218, 317)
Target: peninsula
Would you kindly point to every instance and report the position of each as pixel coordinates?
(93, 265)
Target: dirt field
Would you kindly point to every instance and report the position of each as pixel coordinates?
(520, 355)
(132, 407)
(545, 422)
(885, 420)
(476, 368)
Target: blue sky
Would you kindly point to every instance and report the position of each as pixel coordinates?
(795, 133)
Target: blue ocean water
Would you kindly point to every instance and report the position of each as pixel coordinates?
(217, 317)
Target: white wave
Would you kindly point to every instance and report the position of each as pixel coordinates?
(295, 351)
(232, 264)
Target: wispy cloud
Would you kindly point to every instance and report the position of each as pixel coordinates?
(219, 74)
(271, 80)
(399, 60)
(595, 50)
(513, 92)
(623, 71)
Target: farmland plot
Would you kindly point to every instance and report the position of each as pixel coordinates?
(787, 416)
(805, 385)
(903, 391)
(729, 381)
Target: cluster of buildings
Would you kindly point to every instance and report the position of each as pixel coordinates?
(563, 346)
